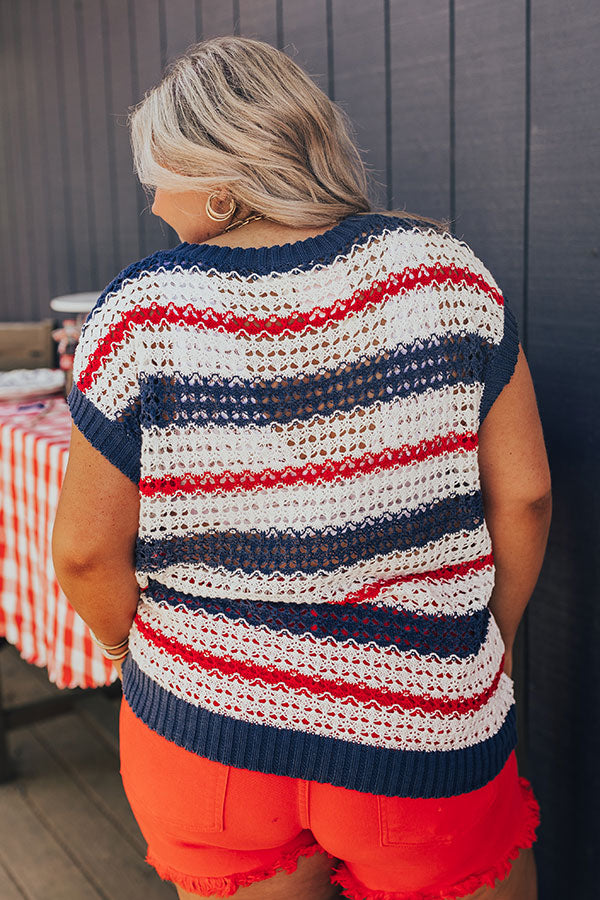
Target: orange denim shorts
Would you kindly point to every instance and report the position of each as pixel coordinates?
(213, 828)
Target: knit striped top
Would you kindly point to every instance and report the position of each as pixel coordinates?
(314, 565)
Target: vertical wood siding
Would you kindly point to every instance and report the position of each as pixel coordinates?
(562, 313)
(483, 112)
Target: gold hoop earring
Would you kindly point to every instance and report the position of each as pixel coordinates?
(217, 216)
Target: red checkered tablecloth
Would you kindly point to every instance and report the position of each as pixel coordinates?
(35, 615)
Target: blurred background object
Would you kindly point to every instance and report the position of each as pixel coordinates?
(75, 308)
(26, 345)
(21, 385)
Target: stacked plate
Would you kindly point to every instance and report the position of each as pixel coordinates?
(25, 384)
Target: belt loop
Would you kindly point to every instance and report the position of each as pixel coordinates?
(303, 802)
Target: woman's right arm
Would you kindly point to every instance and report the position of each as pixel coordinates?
(516, 490)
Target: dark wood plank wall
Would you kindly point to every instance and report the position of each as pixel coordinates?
(563, 306)
(483, 112)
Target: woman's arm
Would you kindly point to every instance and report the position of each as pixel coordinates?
(93, 541)
(516, 489)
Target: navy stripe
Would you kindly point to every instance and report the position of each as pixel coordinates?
(291, 551)
(444, 635)
(328, 760)
(408, 370)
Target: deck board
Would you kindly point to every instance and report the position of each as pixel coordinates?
(34, 856)
(66, 829)
(9, 889)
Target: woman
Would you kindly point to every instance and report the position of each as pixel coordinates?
(306, 504)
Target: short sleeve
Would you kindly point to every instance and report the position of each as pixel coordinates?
(501, 361)
(105, 398)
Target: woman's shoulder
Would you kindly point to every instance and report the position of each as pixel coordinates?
(403, 216)
(439, 243)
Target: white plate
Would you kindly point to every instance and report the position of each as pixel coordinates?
(75, 303)
(22, 384)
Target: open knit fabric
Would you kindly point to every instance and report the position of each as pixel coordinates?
(314, 564)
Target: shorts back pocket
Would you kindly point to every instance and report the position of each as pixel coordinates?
(409, 820)
(168, 784)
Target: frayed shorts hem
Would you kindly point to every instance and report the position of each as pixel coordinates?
(226, 885)
(353, 889)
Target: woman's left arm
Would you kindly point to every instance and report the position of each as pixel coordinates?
(93, 541)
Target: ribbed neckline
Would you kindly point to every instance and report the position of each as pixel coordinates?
(356, 228)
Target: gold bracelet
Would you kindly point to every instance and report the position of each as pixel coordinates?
(108, 647)
(113, 657)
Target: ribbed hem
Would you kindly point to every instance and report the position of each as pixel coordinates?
(299, 754)
(502, 364)
(526, 837)
(226, 885)
(112, 439)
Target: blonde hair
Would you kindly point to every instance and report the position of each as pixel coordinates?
(236, 112)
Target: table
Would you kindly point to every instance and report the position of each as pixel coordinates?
(35, 615)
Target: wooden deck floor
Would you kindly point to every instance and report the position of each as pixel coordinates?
(66, 830)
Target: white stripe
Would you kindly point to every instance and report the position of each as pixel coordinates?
(318, 587)
(419, 315)
(316, 506)
(299, 290)
(97, 325)
(362, 430)
(115, 385)
(298, 710)
(444, 596)
(376, 667)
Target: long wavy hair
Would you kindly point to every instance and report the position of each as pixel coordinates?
(236, 112)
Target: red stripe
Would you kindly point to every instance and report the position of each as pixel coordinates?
(40, 540)
(4, 526)
(18, 616)
(56, 476)
(445, 573)
(313, 473)
(275, 677)
(397, 283)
